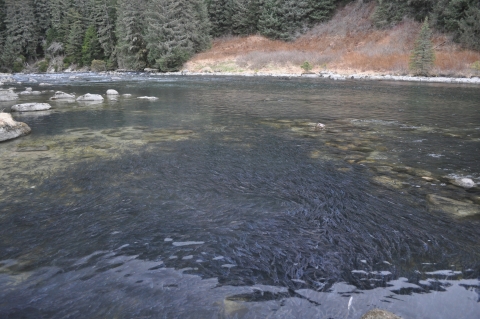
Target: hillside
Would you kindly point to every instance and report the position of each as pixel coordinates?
(348, 43)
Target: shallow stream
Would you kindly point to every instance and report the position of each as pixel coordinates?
(224, 199)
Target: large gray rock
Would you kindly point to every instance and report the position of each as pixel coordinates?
(112, 92)
(59, 95)
(30, 107)
(9, 128)
(8, 95)
(90, 97)
(463, 182)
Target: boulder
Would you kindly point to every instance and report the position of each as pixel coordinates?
(463, 182)
(90, 97)
(62, 96)
(9, 128)
(7, 95)
(45, 84)
(452, 206)
(30, 107)
(112, 92)
(150, 98)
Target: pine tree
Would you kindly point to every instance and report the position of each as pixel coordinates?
(104, 18)
(75, 37)
(21, 36)
(423, 55)
(131, 47)
(91, 49)
(246, 14)
(175, 31)
(470, 28)
(320, 10)
(220, 12)
(272, 22)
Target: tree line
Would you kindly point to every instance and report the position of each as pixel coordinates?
(164, 34)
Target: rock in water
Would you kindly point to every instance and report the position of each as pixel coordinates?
(379, 314)
(62, 96)
(150, 98)
(112, 92)
(9, 128)
(7, 95)
(30, 107)
(463, 182)
(90, 97)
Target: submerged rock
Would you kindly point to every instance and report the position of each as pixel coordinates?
(7, 95)
(452, 206)
(30, 107)
(127, 95)
(112, 92)
(59, 95)
(150, 98)
(379, 314)
(9, 128)
(28, 91)
(90, 97)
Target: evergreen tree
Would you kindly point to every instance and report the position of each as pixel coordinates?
(423, 55)
(220, 12)
(131, 47)
(91, 49)
(104, 18)
(175, 31)
(246, 14)
(320, 10)
(75, 37)
(272, 22)
(470, 28)
(20, 33)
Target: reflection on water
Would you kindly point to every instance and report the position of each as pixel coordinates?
(224, 199)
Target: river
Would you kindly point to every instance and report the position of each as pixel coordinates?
(223, 198)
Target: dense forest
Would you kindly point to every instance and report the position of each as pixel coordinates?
(164, 34)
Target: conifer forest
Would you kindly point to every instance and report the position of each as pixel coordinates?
(164, 34)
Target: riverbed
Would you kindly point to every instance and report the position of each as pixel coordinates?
(225, 198)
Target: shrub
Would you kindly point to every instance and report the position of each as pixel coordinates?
(98, 66)
(67, 61)
(43, 66)
(476, 66)
(18, 64)
(423, 55)
(306, 66)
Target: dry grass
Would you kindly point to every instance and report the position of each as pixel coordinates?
(347, 43)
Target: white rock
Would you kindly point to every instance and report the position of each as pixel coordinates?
(9, 128)
(30, 107)
(463, 182)
(7, 95)
(90, 97)
(45, 84)
(28, 91)
(112, 92)
(150, 98)
(62, 96)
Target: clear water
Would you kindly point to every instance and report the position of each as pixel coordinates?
(221, 200)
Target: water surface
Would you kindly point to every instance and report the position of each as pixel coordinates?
(221, 200)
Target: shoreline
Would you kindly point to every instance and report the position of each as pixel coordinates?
(6, 78)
